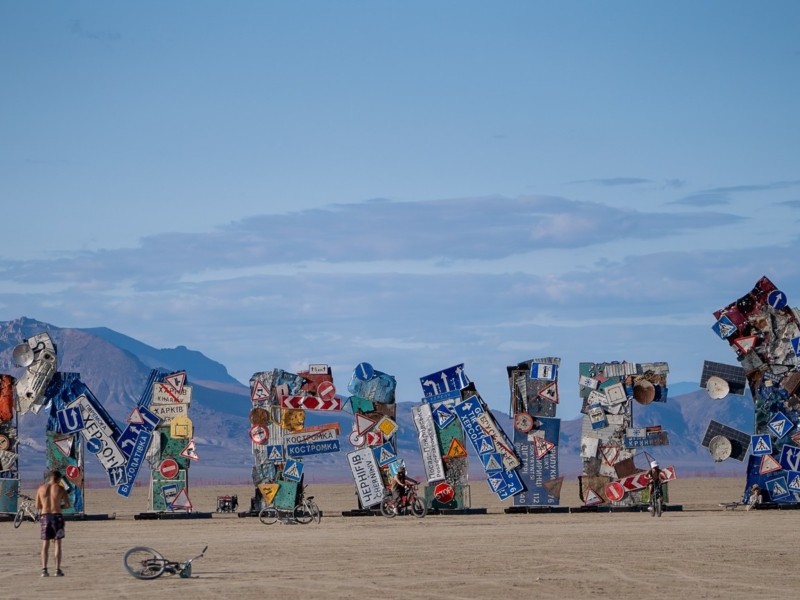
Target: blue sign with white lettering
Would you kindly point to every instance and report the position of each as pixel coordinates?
(446, 380)
(512, 485)
(135, 461)
(127, 439)
(308, 448)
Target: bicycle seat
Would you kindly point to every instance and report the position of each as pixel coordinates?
(309, 497)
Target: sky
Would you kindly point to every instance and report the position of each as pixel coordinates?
(410, 184)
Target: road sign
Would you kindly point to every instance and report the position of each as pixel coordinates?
(363, 424)
(374, 438)
(311, 402)
(444, 492)
(385, 454)
(456, 449)
(760, 445)
(176, 380)
(367, 476)
(64, 445)
(541, 447)
(793, 481)
(427, 438)
(444, 381)
(780, 425)
(164, 393)
(478, 424)
(724, 328)
(523, 422)
(356, 439)
(614, 491)
(322, 441)
(768, 465)
(549, 393)
(790, 457)
(442, 414)
(70, 419)
(592, 498)
(746, 343)
(73, 472)
(259, 393)
(327, 391)
(169, 468)
(95, 427)
(546, 371)
(275, 452)
(387, 426)
(135, 461)
(259, 434)
(634, 482)
(512, 485)
(190, 451)
(181, 501)
(776, 299)
(778, 488)
(492, 461)
(293, 470)
(364, 371)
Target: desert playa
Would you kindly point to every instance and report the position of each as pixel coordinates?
(702, 551)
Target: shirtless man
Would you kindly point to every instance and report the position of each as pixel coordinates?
(51, 498)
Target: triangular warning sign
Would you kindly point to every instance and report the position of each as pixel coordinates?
(553, 486)
(486, 446)
(363, 424)
(456, 449)
(762, 446)
(176, 380)
(182, 501)
(260, 392)
(64, 445)
(135, 418)
(541, 446)
(796, 437)
(590, 498)
(769, 464)
(190, 451)
(549, 393)
(745, 344)
(610, 454)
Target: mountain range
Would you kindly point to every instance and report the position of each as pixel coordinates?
(116, 367)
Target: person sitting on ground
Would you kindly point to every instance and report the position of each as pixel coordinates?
(755, 497)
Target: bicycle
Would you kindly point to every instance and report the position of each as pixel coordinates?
(304, 512)
(27, 510)
(656, 501)
(145, 563)
(408, 502)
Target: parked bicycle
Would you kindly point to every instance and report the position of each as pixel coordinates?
(409, 502)
(26, 510)
(304, 512)
(145, 563)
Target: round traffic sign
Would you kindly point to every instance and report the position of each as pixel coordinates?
(326, 390)
(364, 371)
(169, 468)
(523, 422)
(776, 299)
(73, 472)
(444, 492)
(614, 491)
(4, 442)
(94, 445)
(357, 439)
(259, 434)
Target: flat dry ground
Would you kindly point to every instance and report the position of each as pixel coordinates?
(700, 552)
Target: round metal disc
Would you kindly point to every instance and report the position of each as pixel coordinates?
(644, 392)
(22, 355)
(717, 387)
(720, 448)
(523, 422)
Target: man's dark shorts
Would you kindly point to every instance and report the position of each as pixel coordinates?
(52, 526)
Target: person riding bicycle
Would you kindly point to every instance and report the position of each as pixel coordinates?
(399, 484)
(654, 477)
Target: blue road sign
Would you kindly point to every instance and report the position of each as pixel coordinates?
(760, 444)
(442, 415)
(492, 462)
(70, 419)
(128, 438)
(94, 445)
(780, 425)
(790, 458)
(364, 371)
(546, 371)
(308, 448)
(796, 346)
(793, 481)
(275, 452)
(724, 328)
(293, 470)
(778, 489)
(385, 454)
(446, 380)
(512, 485)
(135, 461)
(776, 299)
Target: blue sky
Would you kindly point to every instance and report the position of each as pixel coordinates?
(413, 184)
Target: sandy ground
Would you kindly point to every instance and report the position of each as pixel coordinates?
(702, 551)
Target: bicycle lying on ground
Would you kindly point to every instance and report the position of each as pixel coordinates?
(305, 512)
(656, 501)
(145, 563)
(408, 502)
(26, 510)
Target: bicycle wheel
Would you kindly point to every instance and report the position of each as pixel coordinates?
(387, 507)
(144, 563)
(19, 517)
(315, 511)
(303, 514)
(659, 507)
(418, 508)
(268, 515)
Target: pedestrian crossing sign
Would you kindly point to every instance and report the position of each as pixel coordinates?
(760, 445)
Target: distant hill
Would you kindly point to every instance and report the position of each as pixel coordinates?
(116, 367)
